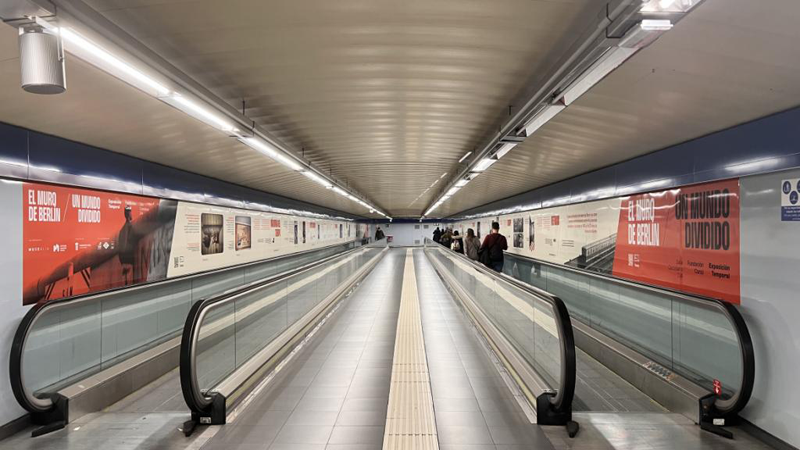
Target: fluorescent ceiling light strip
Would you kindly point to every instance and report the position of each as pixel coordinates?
(505, 148)
(267, 149)
(198, 111)
(484, 164)
(317, 179)
(656, 25)
(464, 157)
(97, 56)
(453, 191)
(105, 61)
(542, 118)
(462, 183)
(612, 59)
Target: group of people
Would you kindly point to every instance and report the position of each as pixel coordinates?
(489, 253)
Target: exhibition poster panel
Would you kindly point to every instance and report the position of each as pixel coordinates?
(686, 239)
(77, 241)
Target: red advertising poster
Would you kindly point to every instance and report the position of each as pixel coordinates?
(77, 241)
(686, 239)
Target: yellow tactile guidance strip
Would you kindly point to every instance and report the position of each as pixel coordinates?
(410, 423)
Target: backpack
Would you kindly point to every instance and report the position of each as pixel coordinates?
(483, 257)
(457, 244)
(495, 252)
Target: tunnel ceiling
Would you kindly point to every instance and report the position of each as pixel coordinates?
(388, 96)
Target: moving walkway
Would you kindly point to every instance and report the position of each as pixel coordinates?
(78, 355)
(688, 354)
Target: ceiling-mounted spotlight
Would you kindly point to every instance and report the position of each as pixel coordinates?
(41, 58)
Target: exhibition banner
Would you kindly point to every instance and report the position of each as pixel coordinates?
(78, 241)
(685, 239)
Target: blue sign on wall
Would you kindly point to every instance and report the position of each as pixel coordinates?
(790, 200)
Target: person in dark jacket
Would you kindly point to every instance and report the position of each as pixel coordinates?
(493, 245)
(447, 238)
(379, 234)
(437, 235)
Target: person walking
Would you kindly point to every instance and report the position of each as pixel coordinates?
(491, 251)
(447, 238)
(379, 234)
(437, 235)
(471, 245)
(458, 244)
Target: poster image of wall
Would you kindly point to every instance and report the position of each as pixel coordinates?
(244, 234)
(78, 241)
(685, 239)
(531, 234)
(518, 232)
(212, 236)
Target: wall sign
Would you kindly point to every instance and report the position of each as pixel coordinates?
(790, 203)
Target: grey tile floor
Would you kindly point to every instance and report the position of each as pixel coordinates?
(474, 408)
(334, 394)
(645, 431)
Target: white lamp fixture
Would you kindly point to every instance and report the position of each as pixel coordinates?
(668, 6)
(452, 191)
(105, 61)
(484, 164)
(462, 183)
(638, 37)
(317, 179)
(505, 148)
(466, 155)
(198, 112)
(267, 149)
(542, 117)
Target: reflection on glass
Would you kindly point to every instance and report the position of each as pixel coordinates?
(526, 321)
(73, 340)
(694, 339)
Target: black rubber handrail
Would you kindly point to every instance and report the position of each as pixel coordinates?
(724, 408)
(197, 401)
(562, 401)
(36, 405)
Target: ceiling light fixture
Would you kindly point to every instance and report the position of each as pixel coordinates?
(317, 179)
(484, 164)
(542, 117)
(466, 155)
(505, 148)
(637, 37)
(198, 112)
(135, 74)
(264, 147)
(105, 61)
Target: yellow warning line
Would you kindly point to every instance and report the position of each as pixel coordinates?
(410, 423)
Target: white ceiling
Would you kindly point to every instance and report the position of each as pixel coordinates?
(387, 95)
